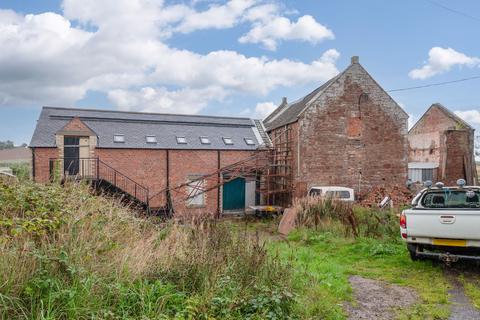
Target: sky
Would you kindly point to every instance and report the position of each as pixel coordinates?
(236, 58)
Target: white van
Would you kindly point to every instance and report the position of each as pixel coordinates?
(340, 193)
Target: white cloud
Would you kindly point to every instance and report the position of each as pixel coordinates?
(263, 109)
(116, 48)
(216, 16)
(411, 121)
(441, 60)
(185, 100)
(470, 116)
(270, 32)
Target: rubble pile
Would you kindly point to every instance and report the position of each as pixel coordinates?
(399, 195)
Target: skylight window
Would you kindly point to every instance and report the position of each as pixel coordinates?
(151, 139)
(228, 141)
(204, 140)
(249, 141)
(181, 140)
(118, 138)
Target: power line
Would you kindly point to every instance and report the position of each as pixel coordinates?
(453, 10)
(434, 84)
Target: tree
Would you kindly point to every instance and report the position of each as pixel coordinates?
(6, 145)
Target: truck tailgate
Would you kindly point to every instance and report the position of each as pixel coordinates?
(450, 224)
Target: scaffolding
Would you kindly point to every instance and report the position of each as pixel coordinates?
(270, 166)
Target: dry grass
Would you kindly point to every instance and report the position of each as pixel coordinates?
(65, 254)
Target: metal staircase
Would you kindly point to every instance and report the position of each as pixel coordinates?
(102, 175)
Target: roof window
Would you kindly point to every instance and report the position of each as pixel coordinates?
(249, 141)
(181, 140)
(204, 140)
(227, 140)
(151, 139)
(118, 138)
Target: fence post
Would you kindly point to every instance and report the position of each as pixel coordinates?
(98, 168)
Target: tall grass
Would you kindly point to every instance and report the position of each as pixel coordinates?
(65, 254)
(327, 214)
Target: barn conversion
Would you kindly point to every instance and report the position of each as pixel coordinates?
(348, 132)
(142, 154)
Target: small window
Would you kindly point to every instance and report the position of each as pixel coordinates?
(151, 139)
(227, 140)
(204, 140)
(118, 138)
(249, 141)
(196, 193)
(181, 140)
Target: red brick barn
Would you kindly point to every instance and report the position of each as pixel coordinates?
(441, 148)
(348, 132)
(144, 154)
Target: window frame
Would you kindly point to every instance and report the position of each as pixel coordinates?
(181, 137)
(251, 140)
(198, 200)
(202, 138)
(226, 139)
(118, 135)
(151, 142)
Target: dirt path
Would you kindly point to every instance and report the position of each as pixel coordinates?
(462, 308)
(377, 299)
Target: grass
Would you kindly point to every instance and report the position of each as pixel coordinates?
(323, 262)
(66, 254)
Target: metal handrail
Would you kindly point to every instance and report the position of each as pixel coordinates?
(111, 175)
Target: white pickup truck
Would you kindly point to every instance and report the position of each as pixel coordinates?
(443, 223)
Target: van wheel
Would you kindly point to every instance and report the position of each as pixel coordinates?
(412, 249)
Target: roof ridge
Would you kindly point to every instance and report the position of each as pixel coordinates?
(146, 113)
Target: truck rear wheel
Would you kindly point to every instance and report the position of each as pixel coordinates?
(412, 249)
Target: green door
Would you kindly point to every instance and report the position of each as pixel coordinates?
(234, 194)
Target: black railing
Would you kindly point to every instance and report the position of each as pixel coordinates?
(96, 169)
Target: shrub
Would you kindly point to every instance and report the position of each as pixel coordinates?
(332, 215)
(66, 254)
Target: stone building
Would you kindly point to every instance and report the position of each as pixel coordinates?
(143, 154)
(348, 132)
(441, 148)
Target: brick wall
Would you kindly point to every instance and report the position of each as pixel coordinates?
(350, 139)
(42, 164)
(458, 160)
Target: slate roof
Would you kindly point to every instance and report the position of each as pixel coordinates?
(448, 113)
(135, 126)
(286, 114)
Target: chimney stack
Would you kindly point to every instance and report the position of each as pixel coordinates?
(284, 100)
(355, 59)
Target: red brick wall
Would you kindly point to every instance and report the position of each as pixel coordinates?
(336, 142)
(42, 164)
(146, 167)
(458, 158)
(357, 147)
(425, 138)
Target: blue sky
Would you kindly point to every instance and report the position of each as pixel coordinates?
(184, 57)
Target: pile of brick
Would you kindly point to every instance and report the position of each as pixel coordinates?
(399, 195)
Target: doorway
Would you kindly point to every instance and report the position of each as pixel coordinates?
(71, 154)
(234, 195)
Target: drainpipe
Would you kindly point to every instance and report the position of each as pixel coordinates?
(218, 183)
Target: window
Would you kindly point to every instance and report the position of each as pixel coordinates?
(338, 194)
(181, 140)
(204, 140)
(196, 194)
(118, 138)
(249, 141)
(151, 139)
(452, 199)
(227, 140)
(421, 174)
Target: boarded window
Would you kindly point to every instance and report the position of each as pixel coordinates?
(196, 194)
